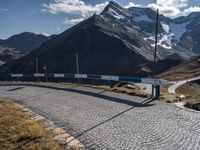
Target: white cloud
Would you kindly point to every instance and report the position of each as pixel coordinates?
(169, 11)
(43, 33)
(78, 8)
(172, 3)
(131, 4)
(3, 9)
(74, 7)
(190, 10)
(170, 8)
(73, 21)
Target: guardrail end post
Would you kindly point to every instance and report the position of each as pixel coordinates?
(111, 84)
(157, 91)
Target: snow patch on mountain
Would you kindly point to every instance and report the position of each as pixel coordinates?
(172, 35)
(150, 38)
(165, 41)
(178, 30)
(171, 32)
(115, 14)
(165, 27)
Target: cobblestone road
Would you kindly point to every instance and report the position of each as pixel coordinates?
(106, 120)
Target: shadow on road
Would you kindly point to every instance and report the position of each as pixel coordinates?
(144, 103)
(97, 95)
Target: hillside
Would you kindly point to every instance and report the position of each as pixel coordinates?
(178, 38)
(185, 70)
(19, 45)
(99, 47)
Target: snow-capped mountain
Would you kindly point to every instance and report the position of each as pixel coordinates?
(178, 38)
(119, 41)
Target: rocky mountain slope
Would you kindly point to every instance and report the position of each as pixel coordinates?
(20, 44)
(178, 38)
(98, 45)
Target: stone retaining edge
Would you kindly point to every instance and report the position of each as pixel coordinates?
(59, 134)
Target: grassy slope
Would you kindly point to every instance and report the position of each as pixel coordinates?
(191, 90)
(186, 70)
(18, 131)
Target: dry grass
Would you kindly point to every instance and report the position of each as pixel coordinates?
(133, 91)
(164, 89)
(191, 90)
(136, 91)
(179, 75)
(186, 70)
(165, 96)
(17, 131)
(188, 89)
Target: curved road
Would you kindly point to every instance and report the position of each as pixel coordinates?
(106, 120)
(146, 88)
(172, 89)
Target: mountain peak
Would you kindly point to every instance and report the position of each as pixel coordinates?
(113, 9)
(25, 35)
(114, 3)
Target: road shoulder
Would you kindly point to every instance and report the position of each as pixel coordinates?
(57, 138)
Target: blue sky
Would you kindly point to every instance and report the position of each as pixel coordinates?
(55, 16)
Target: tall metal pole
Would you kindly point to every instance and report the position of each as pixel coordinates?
(155, 52)
(45, 71)
(77, 65)
(36, 67)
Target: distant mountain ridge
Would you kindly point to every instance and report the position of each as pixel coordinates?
(20, 44)
(25, 42)
(186, 70)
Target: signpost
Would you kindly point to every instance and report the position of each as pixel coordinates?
(77, 66)
(155, 54)
(36, 67)
(45, 70)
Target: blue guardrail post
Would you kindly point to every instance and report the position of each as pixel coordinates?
(157, 91)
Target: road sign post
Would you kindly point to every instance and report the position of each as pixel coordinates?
(157, 91)
(77, 66)
(155, 53)
(45, 70)
(36, 67)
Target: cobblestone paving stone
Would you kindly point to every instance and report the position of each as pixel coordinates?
(112, 120)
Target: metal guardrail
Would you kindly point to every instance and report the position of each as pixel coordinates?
(156, 82)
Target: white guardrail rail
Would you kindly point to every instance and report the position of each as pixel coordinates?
(91, 76)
